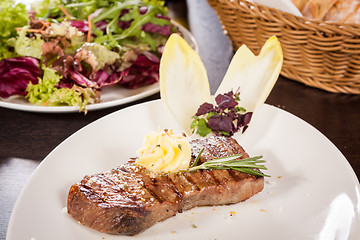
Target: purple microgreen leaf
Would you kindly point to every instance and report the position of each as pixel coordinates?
(221, 123)
(247, 118)
(232, 115)
(225, 118)
(224, 101)
(230, 94)
(204, 109)
(244, 128)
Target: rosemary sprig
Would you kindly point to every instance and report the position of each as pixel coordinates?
(246, 165)
(197, 158)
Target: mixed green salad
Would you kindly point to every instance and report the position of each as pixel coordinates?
(63, 52)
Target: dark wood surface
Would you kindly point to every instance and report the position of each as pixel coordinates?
(26, 138)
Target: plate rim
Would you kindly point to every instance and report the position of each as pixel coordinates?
(28, 107)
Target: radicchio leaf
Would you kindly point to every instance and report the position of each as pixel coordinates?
(124, 24)
(82, 26)
(163, 30)
(144, 71)
(80, 79)
(101, 25)
(16, 73)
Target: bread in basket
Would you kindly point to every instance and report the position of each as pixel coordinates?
(318, 53)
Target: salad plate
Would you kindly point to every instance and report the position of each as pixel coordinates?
(110, 96)
(312, 193)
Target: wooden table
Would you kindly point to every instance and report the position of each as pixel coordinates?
(26, 138)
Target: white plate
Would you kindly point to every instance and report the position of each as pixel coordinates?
(110, 96)
(313, 192)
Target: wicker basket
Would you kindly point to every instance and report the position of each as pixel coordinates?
(316, 53)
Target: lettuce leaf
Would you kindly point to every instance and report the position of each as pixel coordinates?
(42, 8)
(12, 16)
(46, 93)
(25, 46)
(96, 55)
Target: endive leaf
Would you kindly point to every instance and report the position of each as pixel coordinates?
(254, 75)
(184, 85)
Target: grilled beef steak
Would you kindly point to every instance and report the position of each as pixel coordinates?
(128, 200)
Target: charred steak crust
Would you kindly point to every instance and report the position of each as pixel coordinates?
(128, 200)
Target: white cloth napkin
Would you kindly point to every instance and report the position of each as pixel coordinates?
(282, 5)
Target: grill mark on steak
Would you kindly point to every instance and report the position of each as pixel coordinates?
(128, 199)
(197, 178)
(116, 188)
(209, 177)
(190, 179)
(182, 183)
(165, 189)
(160, 187)
(130, 172)
(146, 182)
(177, 185)
(222, 176)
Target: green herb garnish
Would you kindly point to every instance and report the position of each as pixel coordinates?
(225, 118)
(234, 162)
(197, 158)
